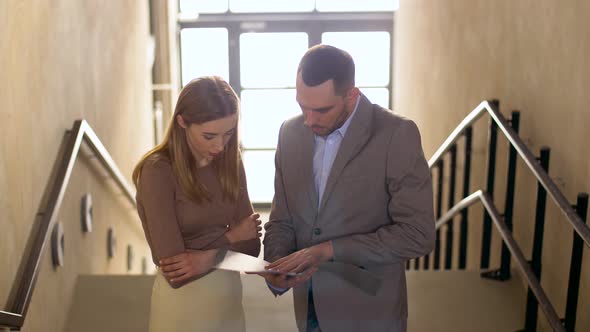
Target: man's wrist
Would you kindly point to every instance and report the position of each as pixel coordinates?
(326, 251)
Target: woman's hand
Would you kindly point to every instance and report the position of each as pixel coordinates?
(246, 229)
(182, 267)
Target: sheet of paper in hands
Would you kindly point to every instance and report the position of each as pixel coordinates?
(235, 261)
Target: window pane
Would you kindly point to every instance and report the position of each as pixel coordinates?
(370, 51)
(260, 173)
(265, 6)
(356, 5)
(195, 62)
(379, 96)
(263, 112)
(203, 6)
(269, 60)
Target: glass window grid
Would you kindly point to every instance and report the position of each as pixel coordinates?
(313, 24)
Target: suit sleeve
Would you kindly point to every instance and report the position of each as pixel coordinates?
(279, 238)
(411, 231)
(156, 187)
(244, 209)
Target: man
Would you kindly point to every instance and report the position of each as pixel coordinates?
(353, 202)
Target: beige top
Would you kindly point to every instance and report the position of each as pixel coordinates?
(173, 223)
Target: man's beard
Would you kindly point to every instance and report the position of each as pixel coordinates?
(341, 120)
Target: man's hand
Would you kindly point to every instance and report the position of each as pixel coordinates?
(304, 259)
(191, 263)
(283, 281)
(246, 229)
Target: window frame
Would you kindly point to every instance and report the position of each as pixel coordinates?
(313, 23)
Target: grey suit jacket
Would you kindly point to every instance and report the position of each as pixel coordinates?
(376, 209)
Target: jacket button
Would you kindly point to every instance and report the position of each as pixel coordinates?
(317, 231)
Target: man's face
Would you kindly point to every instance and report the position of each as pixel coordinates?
(322, 109)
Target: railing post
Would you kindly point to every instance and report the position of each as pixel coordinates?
(509, 206)
(573, 288)
(503, 273)
(532, 304)
(439, 185)
(427, 257)
(451, 198)
(464, 212)
(491, 170)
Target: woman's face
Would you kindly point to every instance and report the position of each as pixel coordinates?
(207, 140)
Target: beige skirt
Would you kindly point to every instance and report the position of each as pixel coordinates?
(211, 303)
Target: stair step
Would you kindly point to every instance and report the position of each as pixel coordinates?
(122, 303)
(110, 303)
(463, 301)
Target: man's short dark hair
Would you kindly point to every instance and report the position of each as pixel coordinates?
(322, 63)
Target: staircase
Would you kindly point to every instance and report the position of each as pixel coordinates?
(122, 304)
(442, 297)
(465, 298)
(438, 301)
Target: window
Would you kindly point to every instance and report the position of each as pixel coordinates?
(259, 53)
(269, 60)
(203, 6)
(198, 63)
(281, 6)
(370, 51)
(356, 5)
(277, 6)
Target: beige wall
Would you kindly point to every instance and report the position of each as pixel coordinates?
(533, 56)
(60, 61)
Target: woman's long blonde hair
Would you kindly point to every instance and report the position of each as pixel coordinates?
(203, 99)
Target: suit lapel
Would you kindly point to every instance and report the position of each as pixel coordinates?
(356, 137)
(307, 168)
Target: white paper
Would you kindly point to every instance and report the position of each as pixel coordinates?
(235, 261)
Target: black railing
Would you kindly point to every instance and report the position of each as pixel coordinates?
(529, 275)
(24, 285)
(504, 222)
(439, 183)
(509, 204)
(466, 181)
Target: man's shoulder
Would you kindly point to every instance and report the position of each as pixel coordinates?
(293, 124)
(392, 121)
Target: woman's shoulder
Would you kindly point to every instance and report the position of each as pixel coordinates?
(156, 178)
(157, 165)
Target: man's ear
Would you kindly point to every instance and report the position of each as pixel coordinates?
(181, 122)
(353, 93)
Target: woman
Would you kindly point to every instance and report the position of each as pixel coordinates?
(193, 202)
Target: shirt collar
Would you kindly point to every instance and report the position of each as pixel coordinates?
(342, 130)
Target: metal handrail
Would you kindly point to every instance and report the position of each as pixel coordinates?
(10, 320)
(29, 269)
(531, 279)
(527, 157)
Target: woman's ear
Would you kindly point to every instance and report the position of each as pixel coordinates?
(181, 122)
